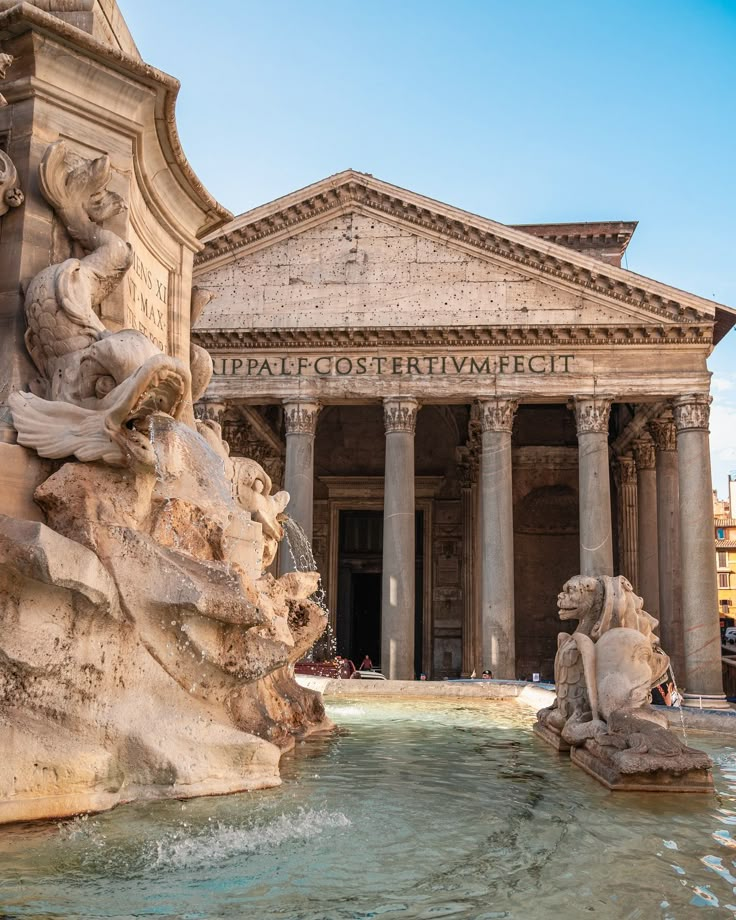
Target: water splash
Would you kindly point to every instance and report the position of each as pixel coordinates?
(679, 703)
(182, 849)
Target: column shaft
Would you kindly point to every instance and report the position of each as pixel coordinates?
(628, 514)
(646, 491)
(469, 637)
(702, 640)
(497, 524)
(668, 542)
(300, 420)
(596, 541)
(399, 550)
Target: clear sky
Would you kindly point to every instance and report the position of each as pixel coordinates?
(526, 111)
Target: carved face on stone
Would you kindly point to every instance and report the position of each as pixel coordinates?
(577, 597)
(252, 486)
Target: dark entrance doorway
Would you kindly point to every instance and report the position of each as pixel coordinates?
(360, 559)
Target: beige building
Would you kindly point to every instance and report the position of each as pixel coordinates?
(725, 533)
(467, 414)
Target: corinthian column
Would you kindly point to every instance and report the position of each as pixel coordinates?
(702, 638)
(668, 540)
(627, 519)
(399, 551)
(497, 545)
(465, 468)
(646, 491)
(300, 421)
(596, 542)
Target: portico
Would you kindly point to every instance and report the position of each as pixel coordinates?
(468, 412)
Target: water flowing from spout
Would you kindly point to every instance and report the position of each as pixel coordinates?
(678, 704)
(302, 557)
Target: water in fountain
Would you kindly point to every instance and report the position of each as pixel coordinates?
(302, 557)
(679, 703)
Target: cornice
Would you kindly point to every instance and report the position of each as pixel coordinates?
(445, 336)
(24, 17)
(357, 191)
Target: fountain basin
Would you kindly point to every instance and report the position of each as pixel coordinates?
(416, 809)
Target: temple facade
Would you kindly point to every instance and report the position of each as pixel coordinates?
(466, 414)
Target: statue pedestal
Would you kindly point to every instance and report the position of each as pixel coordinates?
(21, 471)
(692, 780)
(551, 737)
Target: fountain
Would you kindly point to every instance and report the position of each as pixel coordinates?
(144, 650)
(604, 673)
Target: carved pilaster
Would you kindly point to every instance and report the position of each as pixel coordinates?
(663, 432)
(300, 416)
(592, 413)
(644, 453)
(497, 413)
(692, 411)
(400, 414)
(628, 518)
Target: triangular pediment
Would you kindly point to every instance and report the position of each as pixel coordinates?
(355, 253)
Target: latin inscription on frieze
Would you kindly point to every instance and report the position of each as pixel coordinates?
(254, 365)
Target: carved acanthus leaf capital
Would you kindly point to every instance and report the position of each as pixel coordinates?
(644, 453)
(663, 432)
(626, 470)
(209, 410)
(692, 411)
(592, 414)
(300, 416)
(497, 413)
(400, 414)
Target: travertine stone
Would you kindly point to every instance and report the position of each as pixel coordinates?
(663, 434)
(648, 555)
(604, 673)
(497, 558)
(628, 514)
(702, 639)
(399, 544)
(596, 541)
(300, 422)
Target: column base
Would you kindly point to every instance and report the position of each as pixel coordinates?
(705, 701)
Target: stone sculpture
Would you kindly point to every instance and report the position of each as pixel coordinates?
(144, 650)
(604, 673)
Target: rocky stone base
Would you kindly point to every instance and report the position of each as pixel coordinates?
(551, 737)
(693, 780)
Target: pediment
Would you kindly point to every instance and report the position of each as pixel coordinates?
(356, 254)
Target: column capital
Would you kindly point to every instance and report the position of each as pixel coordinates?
(592, 413)
(300, 415)
(497, 413)
(400, 414)
(210, 410)
(626, 470)
(662, 430)
(692, 411)
(644, 453)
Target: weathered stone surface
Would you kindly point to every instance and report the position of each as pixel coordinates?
(604, 673)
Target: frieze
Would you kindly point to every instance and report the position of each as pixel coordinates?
(592, 414)
(692, 411)
(300, 416)
(497, 414)
(378, 365)
(400, 414)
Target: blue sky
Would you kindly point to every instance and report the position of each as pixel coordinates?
(523, 112)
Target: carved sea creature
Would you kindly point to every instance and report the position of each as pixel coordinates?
(61, 300)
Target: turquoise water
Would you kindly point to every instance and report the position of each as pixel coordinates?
(412, 811)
